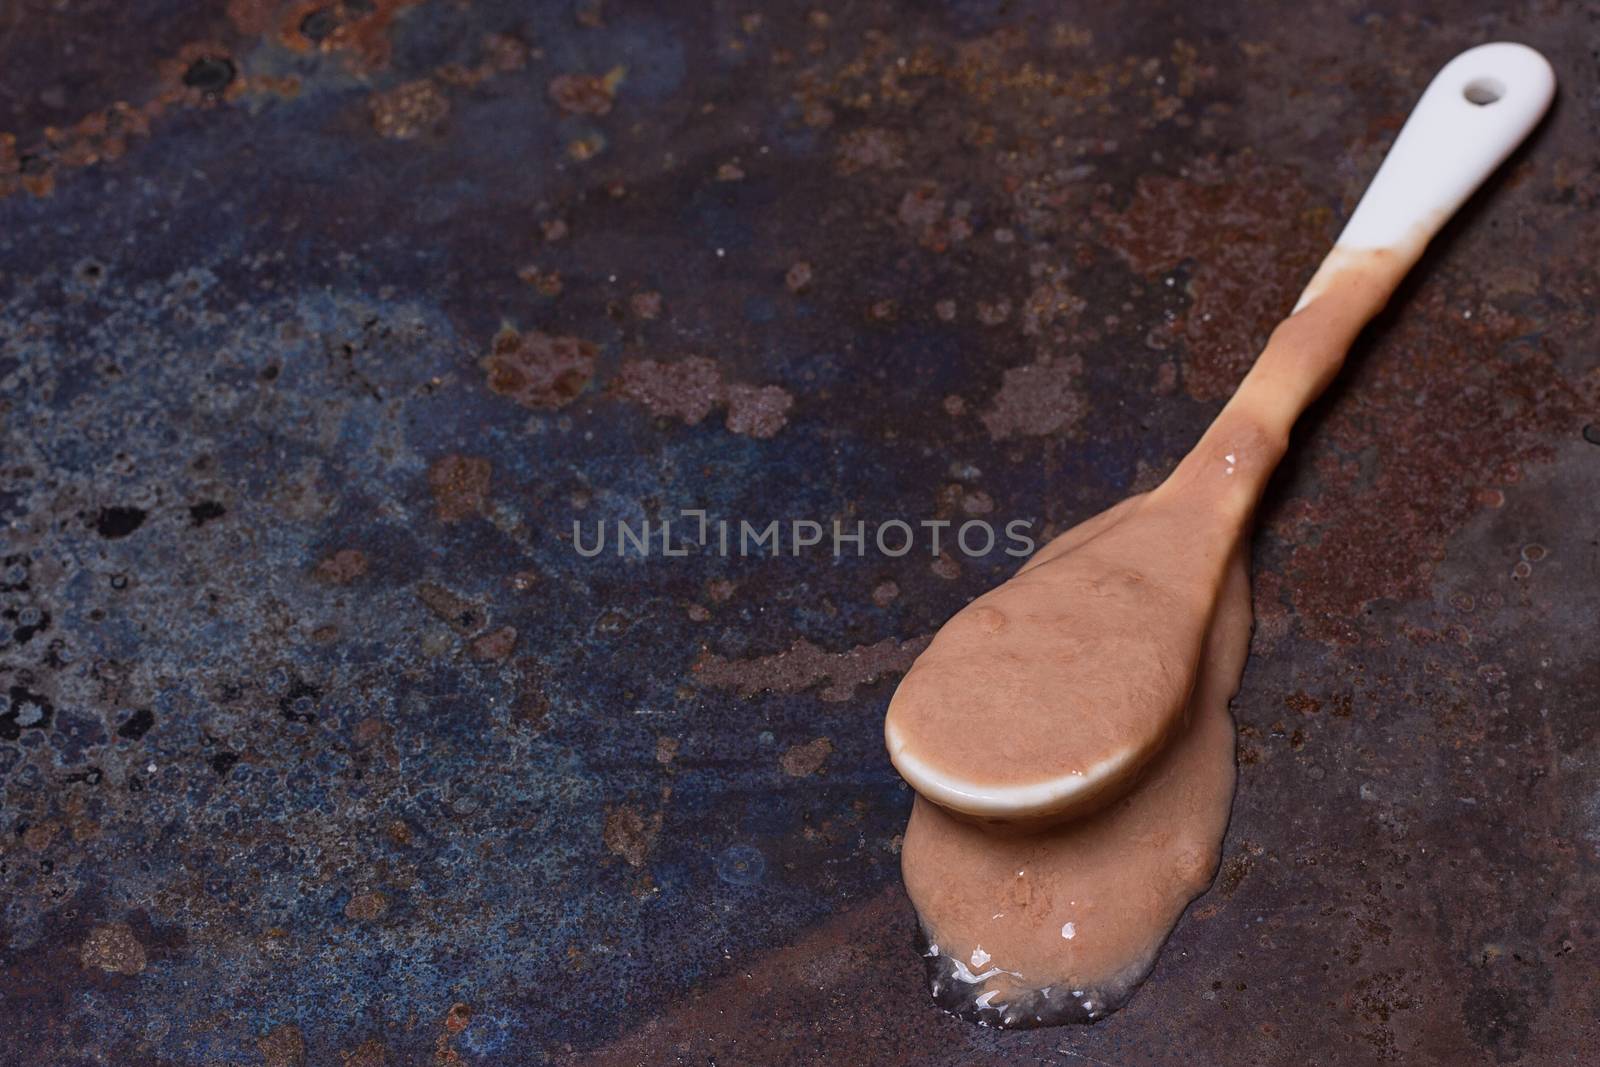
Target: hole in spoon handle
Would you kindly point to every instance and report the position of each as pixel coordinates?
(1483, 91)
(1470, 118)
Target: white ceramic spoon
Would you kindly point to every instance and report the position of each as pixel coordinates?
(1047, 696)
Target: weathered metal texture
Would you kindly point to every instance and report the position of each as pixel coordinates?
(321, 744)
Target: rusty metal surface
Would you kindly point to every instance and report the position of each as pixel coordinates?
(323, 322)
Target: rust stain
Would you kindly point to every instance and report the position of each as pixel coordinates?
(203, 74)
(798, 277)
(358, 30)
(364, 907)
(463, 616)
(370, 1053)
(804, 665)
(113, 947)
(758, 411)
(936, 223)
(502, 53)
(210, 73)
(409, 110)
(631, 834)
(1036, 400)
(494, 646)
(545, 282)
(537, 370)
(343, 567)
(253, 17)
(419, 107)
(1050, 301)
(283, 1046)
(801, 761)
(38, 837)
(583, 94)
(1250, 233)
(688, 389)
(646, 304)
(1381, 515)
(871, 148)
(460, 486)
(457, 1019)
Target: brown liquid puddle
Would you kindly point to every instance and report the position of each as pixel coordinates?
(1107, 663)
(1037, 929)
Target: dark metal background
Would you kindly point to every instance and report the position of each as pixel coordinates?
(279, 785)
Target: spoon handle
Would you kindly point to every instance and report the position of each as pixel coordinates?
(1470, 118)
